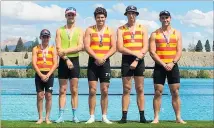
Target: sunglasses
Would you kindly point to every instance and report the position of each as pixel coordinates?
(70, 9)
(45, 37)
(164, 17)
(70, 14)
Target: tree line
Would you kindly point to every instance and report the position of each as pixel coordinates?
(21, 48)
(199, 47)
(191, 47)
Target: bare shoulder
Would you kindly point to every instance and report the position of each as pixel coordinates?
(121, 27)
(58, 30)
(90, 28)
(177, 31)
(35, 49)
(111, 31)
(153, 34)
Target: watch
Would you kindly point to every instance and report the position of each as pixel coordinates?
(137, 59)
(66, 58)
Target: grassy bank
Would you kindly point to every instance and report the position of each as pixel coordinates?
(115, 73)
(131, 124)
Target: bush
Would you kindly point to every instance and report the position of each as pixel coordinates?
(203, 74)
(13, 74)
(83, 73)
(187, 74)
(16, 62)
(148, 74)
(56, 73)
(26, 56)
(113, 74)
(2, 62)
(30, 73)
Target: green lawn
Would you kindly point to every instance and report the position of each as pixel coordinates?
(130, 124)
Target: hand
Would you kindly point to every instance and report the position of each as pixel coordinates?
(170, 66)
(61, 52)
(81, 48)
(69, 64)
(100, 61)
(139, 55)
(44, 78)
(133, 65)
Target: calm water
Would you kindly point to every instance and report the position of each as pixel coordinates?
(196, 96)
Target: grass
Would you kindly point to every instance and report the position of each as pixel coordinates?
(130, 124)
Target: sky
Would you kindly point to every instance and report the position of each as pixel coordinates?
(26, 19)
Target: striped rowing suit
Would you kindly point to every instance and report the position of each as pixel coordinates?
(44, 63)
(165, 51)
(100, 46)
(45, 58)
(135, 44)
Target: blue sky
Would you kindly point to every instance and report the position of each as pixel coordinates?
(193, 18)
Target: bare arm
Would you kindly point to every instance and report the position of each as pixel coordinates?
(145, 41)
(179, 48)
(58, 43)
(55, 63)
(120, 44)
(58, 40)
(152, 50)
(34, 60)
(113, 45)
(79, 47)
(87, 43)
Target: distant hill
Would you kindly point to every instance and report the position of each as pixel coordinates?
(12, 42)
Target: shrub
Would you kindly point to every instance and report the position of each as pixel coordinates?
(203, 74)
(12, 74)
(26, 56)
(83, 73)
(30, 73)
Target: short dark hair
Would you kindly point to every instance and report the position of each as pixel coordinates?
(100, 10)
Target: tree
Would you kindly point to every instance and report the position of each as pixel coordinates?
(6, 49)
(207, 46)
(26, 55)
(191, 47)
(34, 43)
(2, 62)
(16, 62)
(19, 46)
(199, 46)
(184, 49)
(213, 45)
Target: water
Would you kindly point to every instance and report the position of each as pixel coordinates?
(196, 96)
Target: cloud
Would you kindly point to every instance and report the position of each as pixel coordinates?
(150, 25)
(98, 5)
(120, 7)
(196, 17)
(109, 10)
(144, 14)
(31, 11)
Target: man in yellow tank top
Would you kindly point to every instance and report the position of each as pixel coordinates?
(165, 49)
(69, 41)
(100, 44)
(132, 42)
(44, 60)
